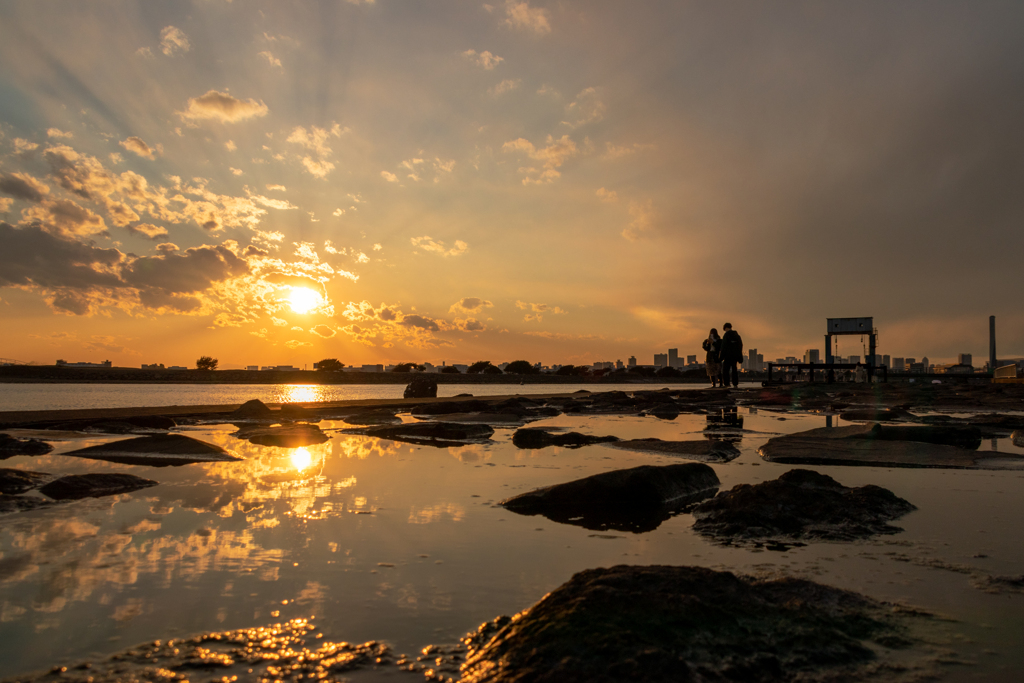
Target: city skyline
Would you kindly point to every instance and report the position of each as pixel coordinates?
(560, 182)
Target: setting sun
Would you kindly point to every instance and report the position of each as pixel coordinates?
(302, 300)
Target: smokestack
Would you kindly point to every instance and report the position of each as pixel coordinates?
(992, 343)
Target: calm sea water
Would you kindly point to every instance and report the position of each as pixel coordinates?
(78, 396)
(383, 540)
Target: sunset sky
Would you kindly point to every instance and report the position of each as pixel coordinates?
(560, 181)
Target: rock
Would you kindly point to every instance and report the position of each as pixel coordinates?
(10, 446)
(151, 422)
(703, 450)
(1018, 438)
(665, 411)
(637, 499)
(13, 482)
(94, 485)
(440, 434)
(961, 436)
(877, 415)
(421, 387)
(158, 450)
(254, 409)
(450, 407)
(661, 624)
(284, 436)
(801, 504)
(372, 417)
(10, 504)
(293, 411)
(884, 446)
(535, 438)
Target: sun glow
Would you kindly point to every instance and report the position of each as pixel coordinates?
(302, 300)
(301, 459)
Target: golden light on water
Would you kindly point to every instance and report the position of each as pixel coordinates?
(302, 300)
(301, 459)
(301, 393)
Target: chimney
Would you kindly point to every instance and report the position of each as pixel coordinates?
(992, 343)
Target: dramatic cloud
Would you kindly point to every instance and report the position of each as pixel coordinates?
(58, 133)
(426, 243)
(470, 304)
(148, 230)
(23, 146)
(67, 217)
(520, 15)
(485, 59)
(56, 262)
(173, 41)
(323, 331)
(220, 106)
(23, 186)
(138, 145)
(553, 155)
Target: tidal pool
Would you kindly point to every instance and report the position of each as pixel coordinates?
(380, 540)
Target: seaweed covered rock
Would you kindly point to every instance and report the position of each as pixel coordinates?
(534, 438)
(702, 450)
(801, 504)
(94, 485)
(421, 387)
(11, 446)
(637, 499)
(657, 623)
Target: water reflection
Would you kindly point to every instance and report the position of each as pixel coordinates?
(301, 459)
(303, 393)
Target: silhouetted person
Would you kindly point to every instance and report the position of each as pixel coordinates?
(732, 353)
(713, 345)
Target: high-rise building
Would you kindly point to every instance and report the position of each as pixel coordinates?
(632, 361)
(660, 360)
(964, 359)
(673, 358)
(619, 365)
(812, 356)
(853, 359)
(691, 360)
(752, 364)
(898, 364)
(926, 364)
(885, 361)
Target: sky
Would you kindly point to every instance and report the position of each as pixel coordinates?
(450, 181)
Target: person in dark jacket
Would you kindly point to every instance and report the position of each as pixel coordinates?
(713, 345)
(731, 354)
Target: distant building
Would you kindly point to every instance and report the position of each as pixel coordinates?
(619, 365)
(673, 358)
(279, 367)
(691, 360)
(252, 367)
(604, 365)
(885, 361)
(812, 356)
(632, 361)
(964, 359)
(898, 364)
(153, 366)
(65, 364)
(916, 367)
(853, 359)
(660, 360)
(177, 367)
(926, 364)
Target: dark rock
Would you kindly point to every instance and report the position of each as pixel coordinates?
(877, 415)
(158, 450)
(535, 438)
(285, 436)
(372, 417)
(678, 624)
(703, 450)
(961, 436)
(638, 499)
(109, 427)
(292, 411)
(151, 422)
(801, 504)
(94, 485)
(421, 387)
(13, 482)
(1018, 438)
(450, 407)
(665, 411)
(10, 446)
(254, 409)
(10, 504)
(440, 434)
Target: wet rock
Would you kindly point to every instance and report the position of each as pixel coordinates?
(284, 436)
(665, 411)
(254, 409)
(11, 446)
(372, 417)
(661, 624)
(801, 504)
(440, 434)
(9, 504)
(504, 419)
(961, 436)
(877, 415)
(885, 446)
(151, 421)
(534, 438)
(703, 450)
(94, 485)
(421, 387)
(450, 407)
(158, 450)
(1018, 438)
(637, 499)
(293, 411)
(13, 482)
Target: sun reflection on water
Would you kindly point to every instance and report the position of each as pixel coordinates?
(302, 393)
(301, 459)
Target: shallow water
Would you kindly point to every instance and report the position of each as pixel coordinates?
(401, 543)
(24, 396)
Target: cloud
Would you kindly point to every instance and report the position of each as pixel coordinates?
(271, 59)
(521, 16)
(137, 145)
(235, 171)
(315, 141)
(377, 247)
(277, 188)
(148, 230)
(609, 196)
(338, 213)
(469, 325)
(388, 325)
(426, 243)
(23, 186)
(562, 336)
(67, 217)
(538, 310)
(23, 146)
(5, 204)
(323, 331)
(586, 108)
(280, 204)
(230, 146)
(553, 155)
(57, 133)
(173, 41)
(144, 52)
(388, 176)
(618, 151)
(642, 214)
(507, 85)
(421, 322)
(220, 106)
(485, 59)
(296, 344)
(470, 304)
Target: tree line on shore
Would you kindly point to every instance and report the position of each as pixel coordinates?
(523, 367)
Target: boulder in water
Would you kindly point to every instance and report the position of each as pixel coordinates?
(440, 434)
(94, 485)
(158, 450)
(13, 482)
(703, 450)
(11, 446)
(254, 409)
(421, 387)
(536, 437)
(286, 436)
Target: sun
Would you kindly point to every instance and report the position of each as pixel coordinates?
(302, 300)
